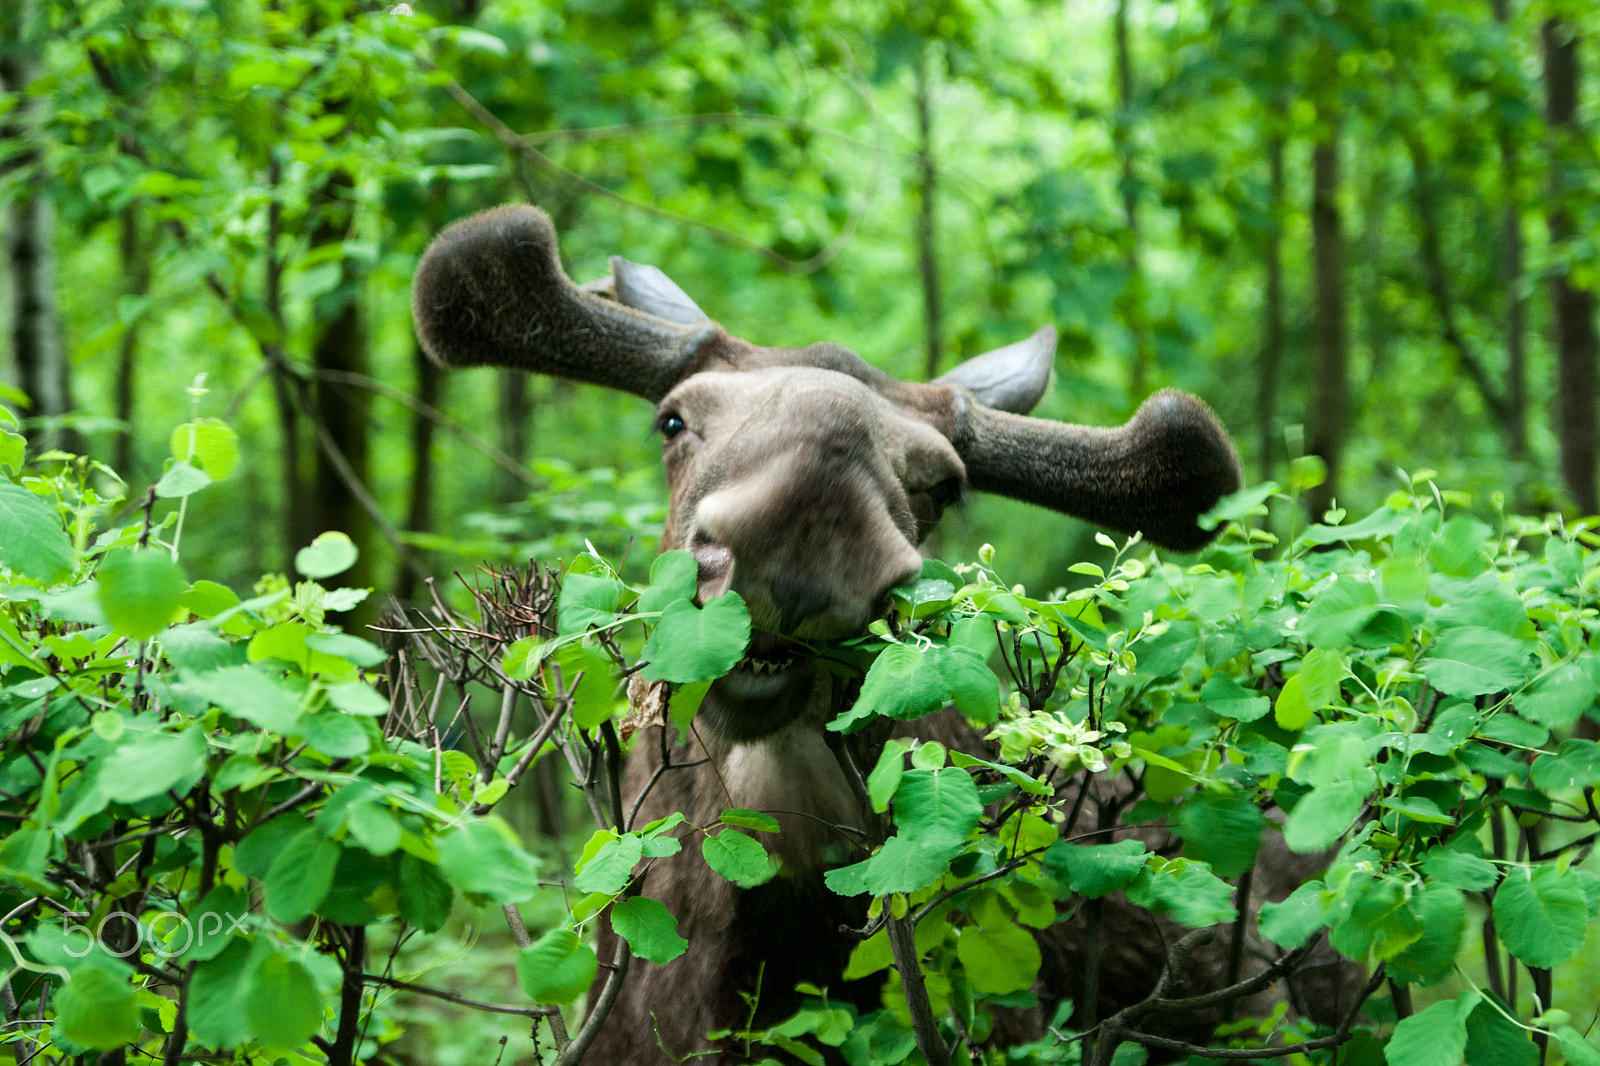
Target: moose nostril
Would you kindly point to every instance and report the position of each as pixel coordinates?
(797, 598)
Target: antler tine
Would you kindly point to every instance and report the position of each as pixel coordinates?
(490, 290)
(1157, 474)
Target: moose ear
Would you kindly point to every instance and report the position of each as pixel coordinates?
(1010, 378)
(644, 288)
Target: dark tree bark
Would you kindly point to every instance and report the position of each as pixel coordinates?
(342, 410)
(430, 382)
(1371, 248)
(1575, 341)
(1271, 312)
(515, 420)
(43, 373)
(1134, 309)
(1330, 394)
(1425, 196)
(135, 259)
(927, 231)
(1511, 269)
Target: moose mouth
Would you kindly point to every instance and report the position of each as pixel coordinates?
(765, 690)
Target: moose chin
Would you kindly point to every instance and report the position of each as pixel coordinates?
(804, 479)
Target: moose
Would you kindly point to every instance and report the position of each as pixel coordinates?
(804, 479)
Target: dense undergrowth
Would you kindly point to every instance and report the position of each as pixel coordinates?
(233, 832)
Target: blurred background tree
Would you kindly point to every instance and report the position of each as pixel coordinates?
(1365, 231)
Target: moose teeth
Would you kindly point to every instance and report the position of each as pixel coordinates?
(765, 666)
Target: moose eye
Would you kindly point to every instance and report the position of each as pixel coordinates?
(946, 492)
(670, 425)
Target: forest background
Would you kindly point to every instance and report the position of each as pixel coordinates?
(1361, 230)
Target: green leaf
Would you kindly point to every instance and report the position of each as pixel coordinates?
(1577, 1049)
(334, 734)
(216, 996)
(885, 776)
(587, 600)
(209, 443)
(1323, 814)
(1095, 870)
(674, 576)
(483, 858)
(197, 648)
(1558, 699)
(1339, 612)
(937, 808)
(1222, 829)
(684, 704)
(424, 894)
(739, 858)
(352, 649)
(139, 591)
(1460, 869)
(96, 1008)
(595, 698)
(649, 928)
(698, 644)
(152, 764)
(1431, 959)
(1462, 546)
(904, 682)
(1575, 765)
(32, 541)
(1237, 505)
(1540, 915)
(1494, 1040)
(1296, 920)
(1314, 687)
(331, 553)
(972, 686)
(181, 480)
(1230, 699)
(1166, 653)
(300, 876)
(1436, 1036)
(281, 1004)
(255, 853)
(1190, 893)
(374, 827)
(999, 959)
(608, 870)
(557, 968)
(250, 693)
(359, 698)
(1474, 661)
(210, 928)
(744, 819)
(1383, 522)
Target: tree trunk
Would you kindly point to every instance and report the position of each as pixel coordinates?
(342, 410)
(1575, 340)
(420, 496)
(927, 233)
(1330, 344)
(1371, 249)
(515, 418)
(1272, 312)
(1438, 279)
(42, 371)
(1511, 279)
(1134, 310)
(136, 279)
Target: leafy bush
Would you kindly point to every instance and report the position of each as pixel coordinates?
(209, 804)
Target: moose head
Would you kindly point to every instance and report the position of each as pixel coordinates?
(804, 478)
